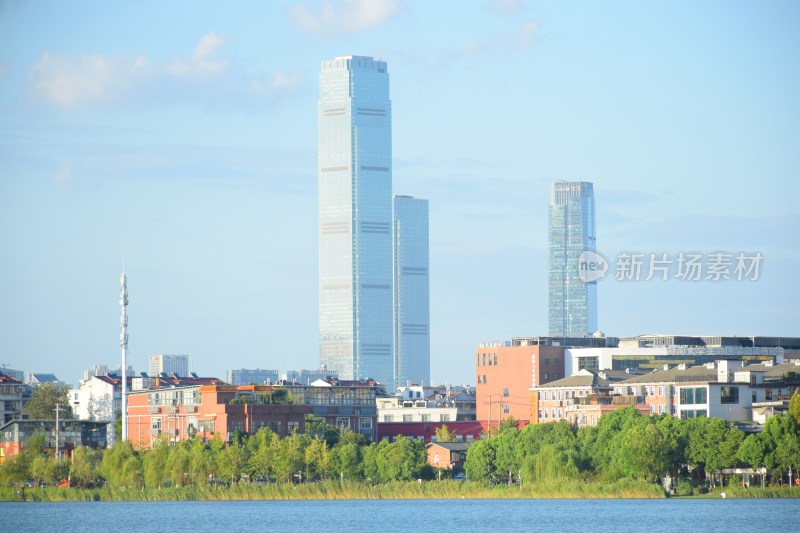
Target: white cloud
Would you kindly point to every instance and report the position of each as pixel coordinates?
(349, 16)
(528, 34)
(68, 81)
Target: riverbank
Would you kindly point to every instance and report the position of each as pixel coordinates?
(334, 490)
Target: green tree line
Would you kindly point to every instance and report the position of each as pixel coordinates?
(625, 444)
(262, 457)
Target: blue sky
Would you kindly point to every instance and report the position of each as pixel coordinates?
(182, 135)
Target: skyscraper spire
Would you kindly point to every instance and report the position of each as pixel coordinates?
(123, 342)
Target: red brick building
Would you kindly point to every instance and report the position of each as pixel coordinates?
(211, 410)
(504, 375)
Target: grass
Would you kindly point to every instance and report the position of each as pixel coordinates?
(334, 490)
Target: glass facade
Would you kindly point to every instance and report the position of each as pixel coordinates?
(572, 303)
(412, 343)
(355, 219)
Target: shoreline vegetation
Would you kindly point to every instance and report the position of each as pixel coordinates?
(626, 455)
(400, 490)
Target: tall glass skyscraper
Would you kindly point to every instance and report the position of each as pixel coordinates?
(412, 342)
(572, 305)
(355, 219)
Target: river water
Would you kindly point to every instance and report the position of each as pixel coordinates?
(456, 516)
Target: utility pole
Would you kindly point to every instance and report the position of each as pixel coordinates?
(123, 342)
(58, 437)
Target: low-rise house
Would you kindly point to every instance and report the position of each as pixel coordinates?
(448, 455)
(71, 433)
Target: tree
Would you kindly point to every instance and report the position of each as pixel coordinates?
(154, 463)
(479, 465)
(45, 397)
(752, 452)
(346, 461)
(443, 434)
(794, 405)
(644, 451)
(85, 468)
(317, 427)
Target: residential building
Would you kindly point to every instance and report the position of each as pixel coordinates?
(347, 404)
(504, 375)
(572, 302)
(71, 433)
(722, 389)
(412, 341)
(552, 401)
(653, 357)
(168, 364)
(12, 392)
(355, 219)
(410, 404)
(181, 412)
(252, 376)
(448, 455)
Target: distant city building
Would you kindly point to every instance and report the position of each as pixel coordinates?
(252, 376)
(306, 377)
(355, 218)
(412, 339)
(168, 364)
(572, 302)
(103, 370)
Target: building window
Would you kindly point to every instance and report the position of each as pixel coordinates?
(559, 395)
(540, 414)
(364, 423)
(484, 379)
(155, 425)
(692, 395)
(426, 418)
(652, 408)
(444, 418)
(293, 426)
(484, 360)
(505, 408)
(407, 418)
(490, 360)
(388, 418)
(344, 421)
(495, 359)
(729, 394)
(505, 391)
(661, 390)
(547, 362)
(661, 408)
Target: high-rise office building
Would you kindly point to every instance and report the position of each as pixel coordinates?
(168, 364)
(412, 343)
(572, 305)
(355, 218)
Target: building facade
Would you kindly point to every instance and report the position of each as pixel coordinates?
(168, 364)
(504, 375)
(355, 218)
(572, 302)
(344, 404)
(12, 393)
(412, 341)
(65, 436)
(210, 411)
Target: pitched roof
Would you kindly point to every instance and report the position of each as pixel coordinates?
(5, 379)
(676, 374)
(583, 378)
(452, 446)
